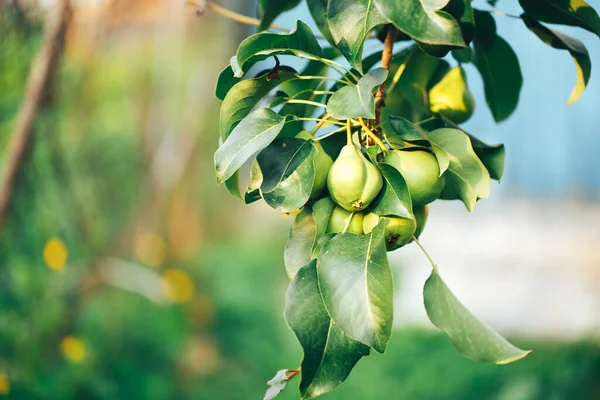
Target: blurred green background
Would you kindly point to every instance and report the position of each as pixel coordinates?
(126, 273)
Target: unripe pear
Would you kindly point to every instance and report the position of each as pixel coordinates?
(398, 232)
(421, 215)
(452, 98)
(353, 182)
(341, 218)
(421, 172)
(322, 164)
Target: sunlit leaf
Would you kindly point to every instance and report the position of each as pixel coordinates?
(565, 12)
(575, 47)
(356, 285)
(353, 101)
(253, 133)
(492, 156)
(471, 337)
(329, 354)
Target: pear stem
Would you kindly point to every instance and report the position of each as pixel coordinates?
(433, 264)
(373, 136)
(322, 122)
(348, 131)
(400, 71)
(307, 102)
(328, 121)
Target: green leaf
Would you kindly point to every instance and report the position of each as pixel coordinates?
(467, 178)
(564, 12)
(471, 337)
(299, 41)
(253, 133)
(318, 10)
(233, 185)
(423, 20)
(355, 101)
(412, 133)
(322, 210)
(499, 67)
(350, 22)
(303, 235)
(246, 95)
(552, 38)
(329, 354)
(253, 190)
(356, 285)
(462, 11)
(288, 171)
(270, 9)
(394, 199)
(492, 156)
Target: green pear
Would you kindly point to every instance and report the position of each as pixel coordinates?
(353, 182)
(398, 232)
(421, 172)
(421, 215)
(452, 98)
(341, 218)
(322, 165)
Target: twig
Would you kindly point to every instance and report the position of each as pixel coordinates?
(386, 57)
(41, 74)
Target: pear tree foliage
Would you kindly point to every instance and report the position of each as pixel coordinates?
(356, 146)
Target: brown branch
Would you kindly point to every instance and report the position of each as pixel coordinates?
(386, 57)
(40, 76)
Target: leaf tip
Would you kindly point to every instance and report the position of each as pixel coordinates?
(520, 356)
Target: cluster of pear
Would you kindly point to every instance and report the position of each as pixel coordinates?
(353, 182)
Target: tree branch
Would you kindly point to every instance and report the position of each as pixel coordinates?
(386, 57)
(40, 76)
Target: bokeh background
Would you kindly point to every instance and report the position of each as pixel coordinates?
(127, 273)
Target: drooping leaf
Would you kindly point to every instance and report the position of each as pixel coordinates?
(253, 133)
(318, 10)
(423, 20)
(301, 241)
(350, 22)
(412, 133)
(394, 199)
(356, 285)
(575, 47)
(329, 354)
(353, 101)
(471, 337)
(564, 12)
(233, 185)
(288, 171)
(299, 41)
(245, 95)
(467, 178)
(271, 9)
(492, 156)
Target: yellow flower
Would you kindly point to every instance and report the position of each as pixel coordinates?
(73, 349)
(4, 384)
(177, 286)
(150, 249)
(55, 254)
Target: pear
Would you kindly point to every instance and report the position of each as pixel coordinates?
(421, 215)
(421, 172)
(452, 98)
(353, 182)
(322, 164)
(341, 218)
(398, 232)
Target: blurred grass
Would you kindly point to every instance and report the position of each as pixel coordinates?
(86, 180)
